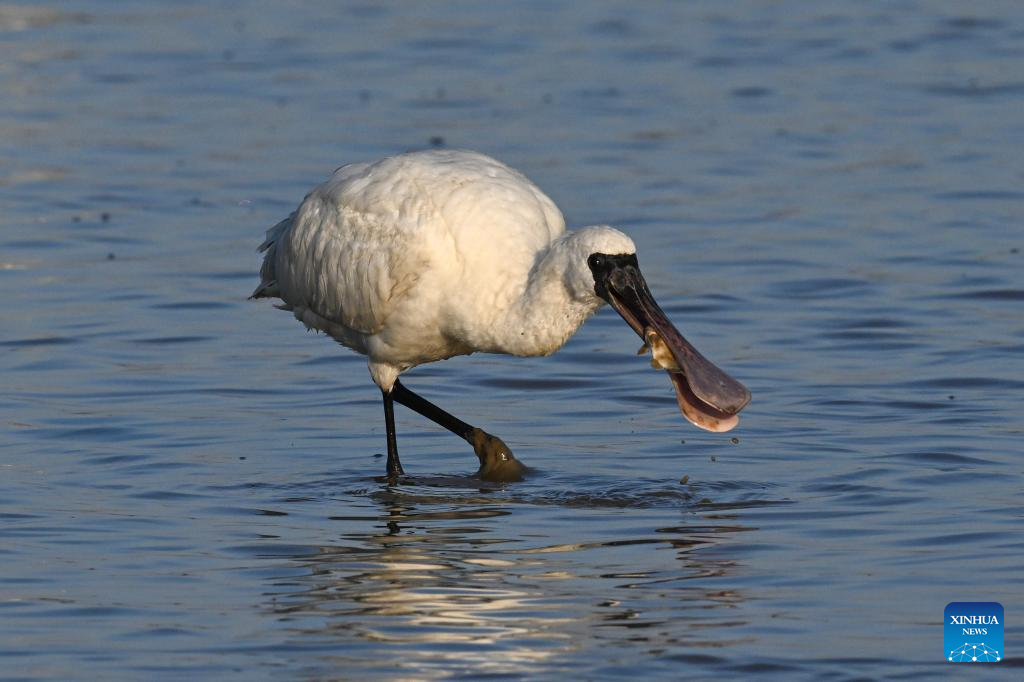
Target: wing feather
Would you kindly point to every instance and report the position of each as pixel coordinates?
(344, 261)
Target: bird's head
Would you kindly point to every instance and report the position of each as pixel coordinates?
(580, 245)
(708, 397)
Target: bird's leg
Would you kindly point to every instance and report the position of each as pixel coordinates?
(496, 460)
(431, 411)
(394, 465)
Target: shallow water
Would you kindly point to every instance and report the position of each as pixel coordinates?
(826, 200)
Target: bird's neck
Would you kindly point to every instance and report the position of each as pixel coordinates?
(542, 319)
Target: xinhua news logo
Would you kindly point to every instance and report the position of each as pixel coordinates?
(973, 632)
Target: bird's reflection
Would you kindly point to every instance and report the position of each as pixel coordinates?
(448, 587)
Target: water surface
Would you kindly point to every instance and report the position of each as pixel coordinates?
(827, 200)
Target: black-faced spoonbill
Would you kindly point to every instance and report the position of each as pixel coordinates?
(427, 255)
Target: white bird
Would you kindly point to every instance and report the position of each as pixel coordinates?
(427, 255)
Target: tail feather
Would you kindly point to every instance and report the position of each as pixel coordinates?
(268, 286)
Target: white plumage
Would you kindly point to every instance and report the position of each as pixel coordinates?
(432, 254)
(428, 255)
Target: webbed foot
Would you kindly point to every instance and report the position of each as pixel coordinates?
(497, 463)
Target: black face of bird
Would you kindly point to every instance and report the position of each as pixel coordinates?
(617, 279)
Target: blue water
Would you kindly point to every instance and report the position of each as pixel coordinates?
(826, 199)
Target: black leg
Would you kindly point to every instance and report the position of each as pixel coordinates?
(431, 411)
(496, 461)
(394, 465)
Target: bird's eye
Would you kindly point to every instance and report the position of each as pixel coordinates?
(595, 261)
